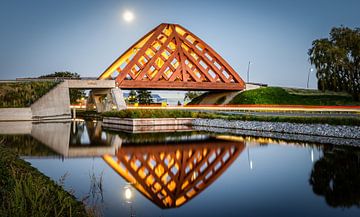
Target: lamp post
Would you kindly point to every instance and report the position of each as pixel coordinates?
(308, 78)
(248, 70)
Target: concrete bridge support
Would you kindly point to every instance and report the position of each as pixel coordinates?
(55, 104)
(106, 100)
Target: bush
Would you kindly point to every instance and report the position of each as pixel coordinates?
(151, 113)
(161, 113)
(23, 94)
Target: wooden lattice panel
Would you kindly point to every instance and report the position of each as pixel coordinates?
(171, 57)
(172, 175)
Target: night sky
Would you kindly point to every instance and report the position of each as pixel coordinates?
(40, 37)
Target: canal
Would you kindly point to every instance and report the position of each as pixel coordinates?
(189, 172)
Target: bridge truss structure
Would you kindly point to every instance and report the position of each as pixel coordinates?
(171, 57)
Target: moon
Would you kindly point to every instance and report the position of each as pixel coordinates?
(128, 16)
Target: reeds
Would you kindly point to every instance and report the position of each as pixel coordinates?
(27, 192)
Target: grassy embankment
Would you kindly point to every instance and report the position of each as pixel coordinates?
(23, 94)
(292, 96)
(24, 191)
(149, 113)
(284, 96)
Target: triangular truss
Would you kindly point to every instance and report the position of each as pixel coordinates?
(172, 175)
(171, 57)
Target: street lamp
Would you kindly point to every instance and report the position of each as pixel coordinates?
(248, 70)
(308, 78)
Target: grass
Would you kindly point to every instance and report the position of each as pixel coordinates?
(282, 96)
(24, 191)
(23, 94)
(155, 113)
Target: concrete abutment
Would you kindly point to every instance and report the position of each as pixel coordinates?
(55, 104)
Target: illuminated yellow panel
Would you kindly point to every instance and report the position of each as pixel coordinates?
(180, 201)
(159, 62)
(167, 31)
(172, 46)
(180, 30)
(171, 186)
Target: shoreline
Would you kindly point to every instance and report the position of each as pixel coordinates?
(21, 184)
(338, 131)
(323, 133)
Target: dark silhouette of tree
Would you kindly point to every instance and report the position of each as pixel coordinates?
(65, 74)
(144, 97)
(132, 97)
(336, 176)
(337, 61)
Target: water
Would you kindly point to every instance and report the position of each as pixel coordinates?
(192, 173)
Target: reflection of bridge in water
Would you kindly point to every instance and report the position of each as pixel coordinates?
(68, 139)
(171, 175)
(168, 169)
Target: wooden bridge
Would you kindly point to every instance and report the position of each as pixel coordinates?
(171, 57)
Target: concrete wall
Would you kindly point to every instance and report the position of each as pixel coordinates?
(141, 125)
(252, 86)
(53, 105)
(147, 121)
(15, 114)
(91, 84)
(15, 127)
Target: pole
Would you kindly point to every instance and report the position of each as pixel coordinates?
(308, 78)
(248, 70)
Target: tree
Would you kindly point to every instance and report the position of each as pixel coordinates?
(337, 61)
(144, 97)
(74, 94)
(132, 97)
(65, 74)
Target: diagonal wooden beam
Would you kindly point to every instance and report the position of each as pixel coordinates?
(140, 53)
(200, 67)
(216, 55)
(205, 59)
(154, 58)
(164, 67)
(181, 55)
